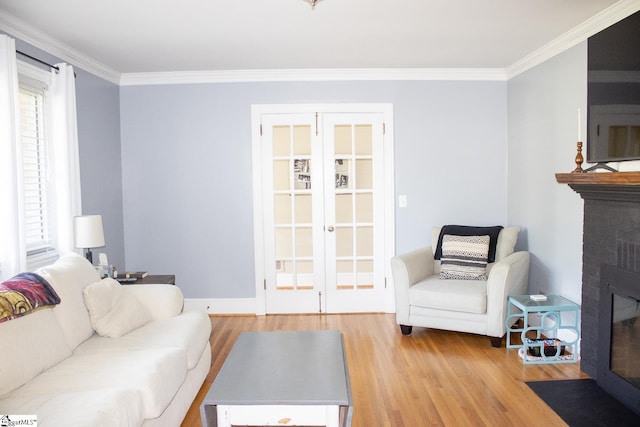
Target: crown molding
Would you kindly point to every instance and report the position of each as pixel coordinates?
(576, 35)
(28, 34)
(301, 75)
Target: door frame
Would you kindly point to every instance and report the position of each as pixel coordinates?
(257, 111)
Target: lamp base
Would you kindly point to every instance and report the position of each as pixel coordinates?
(89, 255)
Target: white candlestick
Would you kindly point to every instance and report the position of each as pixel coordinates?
(579, 127)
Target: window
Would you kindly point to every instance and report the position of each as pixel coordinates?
(37, 193)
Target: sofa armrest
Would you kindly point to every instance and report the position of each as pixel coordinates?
(162, 301)
(409, 269)
(507, 277)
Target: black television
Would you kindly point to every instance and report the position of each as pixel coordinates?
(613, 93)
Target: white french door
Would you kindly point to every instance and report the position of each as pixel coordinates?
(324, 218)
(354, 212)
(292, 196)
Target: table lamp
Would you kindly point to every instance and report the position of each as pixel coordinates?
(88, 233)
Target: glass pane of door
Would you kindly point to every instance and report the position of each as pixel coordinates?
(353, 199)
(292, 204)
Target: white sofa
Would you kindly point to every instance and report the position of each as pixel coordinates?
(54, 365)
(474, 306)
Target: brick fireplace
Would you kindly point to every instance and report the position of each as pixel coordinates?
(611, 266)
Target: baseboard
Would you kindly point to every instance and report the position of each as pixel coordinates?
(234, 306)
(222, 305)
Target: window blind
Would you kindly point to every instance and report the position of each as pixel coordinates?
(38, 234)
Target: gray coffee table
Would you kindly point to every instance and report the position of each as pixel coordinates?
(282, 378)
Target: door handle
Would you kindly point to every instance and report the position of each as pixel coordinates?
(330, 229)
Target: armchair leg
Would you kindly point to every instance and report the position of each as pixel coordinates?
(496, 341)
(406, 330)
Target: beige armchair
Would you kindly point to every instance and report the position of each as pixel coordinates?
(424, 299)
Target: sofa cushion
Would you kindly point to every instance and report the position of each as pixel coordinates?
(68, 276)
(163, 301)
(24, 293)
(114, 313)
(189, 331)
(106, 407)
(469, 296)
(464, 257)
(156, 374)
(30, 344)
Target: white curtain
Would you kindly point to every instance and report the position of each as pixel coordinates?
(63, 156)
(12, 241)
(66, 163)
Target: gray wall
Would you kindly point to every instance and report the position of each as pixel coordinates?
(98, 106)
(186, 207)
(543, 105)
(187, 179)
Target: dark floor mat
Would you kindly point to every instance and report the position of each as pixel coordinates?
(583, 403)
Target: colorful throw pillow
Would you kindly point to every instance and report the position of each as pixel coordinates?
(464, 257)
(24, 293)
(113, 311)
(467, 230)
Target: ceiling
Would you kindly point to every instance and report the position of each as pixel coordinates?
(147, 36)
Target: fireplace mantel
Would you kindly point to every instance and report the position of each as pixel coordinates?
(616, 186)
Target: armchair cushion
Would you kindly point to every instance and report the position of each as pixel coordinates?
(506, 242)
(464, 257)
(465, 230)
(464, 296)
(506, 246)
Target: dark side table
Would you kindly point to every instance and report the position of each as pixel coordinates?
(152, 279)
(157, 279)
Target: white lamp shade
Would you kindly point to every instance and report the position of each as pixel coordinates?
(87, 231)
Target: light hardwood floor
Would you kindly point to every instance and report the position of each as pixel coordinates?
(430, 378)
